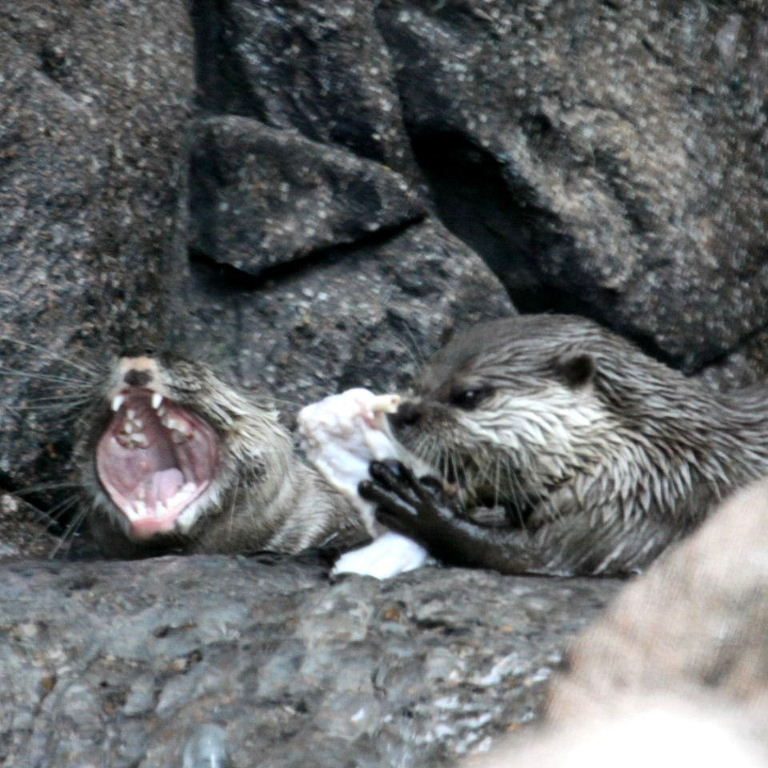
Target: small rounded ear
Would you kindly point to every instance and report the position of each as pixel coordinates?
(576, 370)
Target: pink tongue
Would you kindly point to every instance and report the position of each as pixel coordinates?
(165, 484)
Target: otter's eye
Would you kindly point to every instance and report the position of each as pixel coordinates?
(469, 398)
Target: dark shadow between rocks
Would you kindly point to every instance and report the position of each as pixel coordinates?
(474, 199)
(222, 84)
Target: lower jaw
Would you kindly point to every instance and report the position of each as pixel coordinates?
(147, 529)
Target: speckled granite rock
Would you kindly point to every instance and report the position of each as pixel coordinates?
(316, 67)
(608, 158)
(95, 103)
(23, 531)
(262, 197)
(117, 664)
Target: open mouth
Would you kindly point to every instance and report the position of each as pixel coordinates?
(155, 460)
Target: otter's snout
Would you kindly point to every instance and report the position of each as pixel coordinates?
(408, 414)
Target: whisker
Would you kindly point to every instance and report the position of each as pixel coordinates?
(70, 532)
(43, 487)
(52, 406)
(80, 384)
(92, 372)
(59, 509)
(79, 397)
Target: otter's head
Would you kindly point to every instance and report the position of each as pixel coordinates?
(514, 409)
(164, 442)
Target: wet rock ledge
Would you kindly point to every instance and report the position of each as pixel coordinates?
(118, 664)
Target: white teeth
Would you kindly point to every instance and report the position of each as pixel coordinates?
(141, 508)
(129, 428)
(180, 431)
(157, 400)
(131, 414)
(117, 402)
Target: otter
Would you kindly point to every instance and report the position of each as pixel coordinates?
(599, 456)
(172, 458)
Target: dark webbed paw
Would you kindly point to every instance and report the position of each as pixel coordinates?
(415, 507)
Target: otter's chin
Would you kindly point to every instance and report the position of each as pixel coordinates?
(157, 461)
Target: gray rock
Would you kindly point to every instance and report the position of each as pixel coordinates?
(262, 197)
(23, 531)
(320, 68)
(121, 664)
(606, 158)
(95, 105)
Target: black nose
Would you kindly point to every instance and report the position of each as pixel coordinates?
(407, 415)
(134, 378)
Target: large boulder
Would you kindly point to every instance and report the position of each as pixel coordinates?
(606, 158)
(121, 664)
(93, 162)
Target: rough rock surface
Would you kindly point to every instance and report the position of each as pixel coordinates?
(117, 664)
(262, 197)
(95, 105)
(609, 157)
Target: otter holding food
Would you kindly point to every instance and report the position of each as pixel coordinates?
(599, 455)
(173, 458)
(341, 434)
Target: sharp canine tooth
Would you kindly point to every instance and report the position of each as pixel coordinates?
(131, 414)
(157, 400)
(117, 402)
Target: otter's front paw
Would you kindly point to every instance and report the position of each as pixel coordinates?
(415, 507)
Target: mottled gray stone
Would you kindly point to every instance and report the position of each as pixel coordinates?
(120, 664)
(320, 68)
(262, 197)
(608, 158)
(95, 103)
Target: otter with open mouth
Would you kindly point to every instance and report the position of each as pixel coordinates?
(172, 458)
(599, 455)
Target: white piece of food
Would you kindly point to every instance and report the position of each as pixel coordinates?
(384, 557)
(341, 435)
